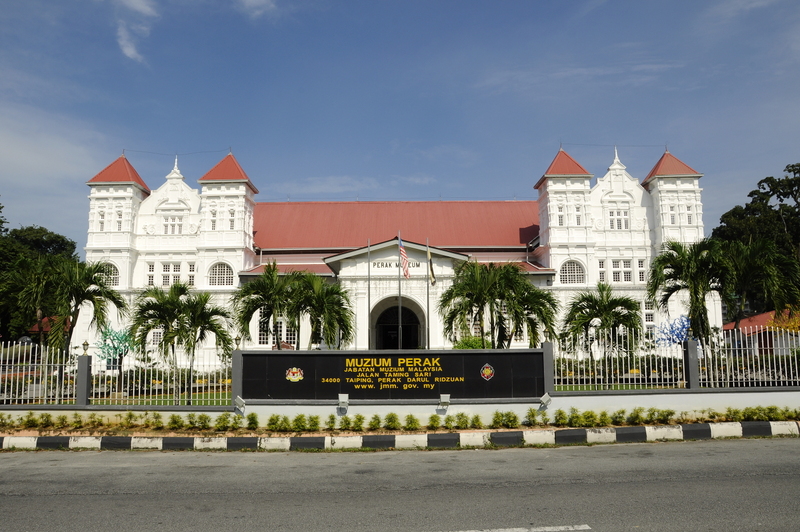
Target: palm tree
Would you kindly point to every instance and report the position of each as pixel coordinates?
(697, 268)
(199, 319)
(328, 308)
(604, 312)
(159, 310)
(269, 293)
(31, 283)
(759, 272)
(499, 294)
(80, 283)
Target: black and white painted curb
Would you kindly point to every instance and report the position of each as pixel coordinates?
(450, 440)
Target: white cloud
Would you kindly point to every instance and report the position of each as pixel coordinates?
(449, 154)
(126, 42)
(256, 8)
(143, 7)
(417, 180)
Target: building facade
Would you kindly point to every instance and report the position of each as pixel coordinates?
(577, 233)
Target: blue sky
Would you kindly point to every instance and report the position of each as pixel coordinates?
(382, 100)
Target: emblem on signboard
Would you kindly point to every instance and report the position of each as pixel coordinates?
(487, 372)
(294, 374)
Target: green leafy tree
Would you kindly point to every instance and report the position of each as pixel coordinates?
(773, 213)
(270, 293)
(759, 274)
(608, 315)
(28, 287)
(79, 284)
(328, 308)
(499, 295)
(158, 310)
(199, 319)
(696, 269)
(114, 346)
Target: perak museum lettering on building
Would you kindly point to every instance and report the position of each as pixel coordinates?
(216, 238)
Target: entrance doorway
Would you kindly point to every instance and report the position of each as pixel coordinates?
(386, 330)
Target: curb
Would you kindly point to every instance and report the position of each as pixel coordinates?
(449, 440)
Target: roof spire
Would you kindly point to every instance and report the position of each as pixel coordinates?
(175, 173)
(617, 164)
(175, 168)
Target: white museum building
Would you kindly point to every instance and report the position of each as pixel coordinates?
(580, 231)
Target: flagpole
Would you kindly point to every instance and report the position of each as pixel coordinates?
(428, 299)
(399, 298)
(369, 298)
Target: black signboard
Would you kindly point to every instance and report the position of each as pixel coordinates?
(397, 374)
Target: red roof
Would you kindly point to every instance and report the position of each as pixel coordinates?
(563, 165)
(120, 171)
(348, 225)
(670, 166)
(227, 169)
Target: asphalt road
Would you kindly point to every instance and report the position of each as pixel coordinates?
(723, 485)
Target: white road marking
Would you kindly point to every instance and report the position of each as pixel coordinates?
(535, 529)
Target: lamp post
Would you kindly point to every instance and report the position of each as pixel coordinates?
(237, 340)
(85, 347)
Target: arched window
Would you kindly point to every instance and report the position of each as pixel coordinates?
(220, 275)
(111, 274)
(571, 273)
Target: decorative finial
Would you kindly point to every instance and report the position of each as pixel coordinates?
(666, 147)
(616, 155)
(175, 168)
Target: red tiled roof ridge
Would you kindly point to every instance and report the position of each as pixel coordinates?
(120, 171)
(669, 165)
(563, 165)
(228, 169)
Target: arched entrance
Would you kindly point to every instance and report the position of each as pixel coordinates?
(386, 329)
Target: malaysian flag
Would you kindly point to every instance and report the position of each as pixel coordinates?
(403, 258)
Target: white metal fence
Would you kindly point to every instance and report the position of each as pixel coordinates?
(749, 357)
(40, 376)
(616, 362)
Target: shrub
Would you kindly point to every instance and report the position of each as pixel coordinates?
(358, 423)
(237, 422)
(375, 422)
(191, 421)
(636, 417)
(510, 420)
(618, 417)
(462, 421)
(652, 416)
(128, 420)
(175, 422)
(299, 423)
(733, 414)
(45, 420)
(252, 421)
(560, 418)
(61, 422)
(330, 424)
(158, 421)
(204, 422)
(7, 421)
(77, 421)
(95, 421)
(531, 416)
(603, 420)
(574, 419)
(345, 423)
(773, 413)
(412, 423)
(476, 422)
(392, 421)
(545, 418)
(434, 422)
(274, 423)
(284, 425)
(28, 421)
(497, 420)
(449, 422)
(664, 417)
(223, 422)
(589, 419)
(313, 423)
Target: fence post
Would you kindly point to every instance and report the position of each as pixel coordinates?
(83, 380)
(549, 368)
(236, 376)
(691, 365)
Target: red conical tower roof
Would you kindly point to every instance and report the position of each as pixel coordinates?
(120, 171)
(670, 166)
(228, 169)
(563, 165)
